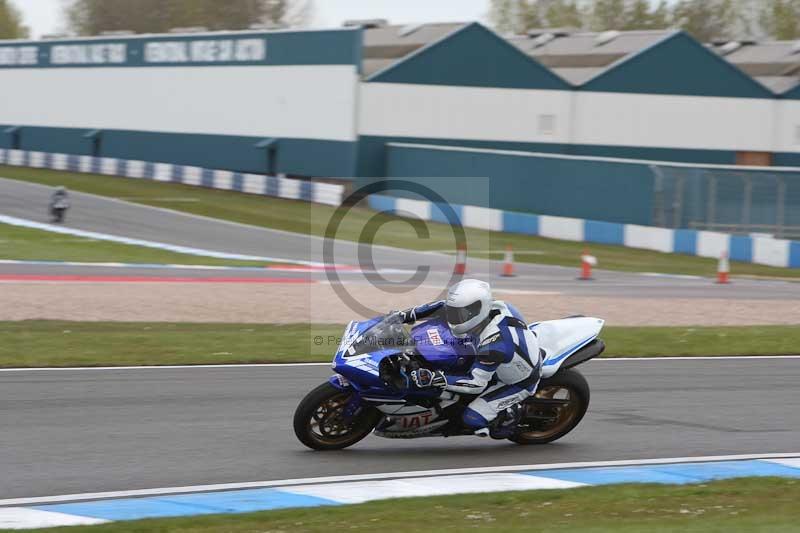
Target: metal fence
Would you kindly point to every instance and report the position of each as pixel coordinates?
(733, 200)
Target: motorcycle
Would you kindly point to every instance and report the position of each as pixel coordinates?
(371, 390)
(58, 210)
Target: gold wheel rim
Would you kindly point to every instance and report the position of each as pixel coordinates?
(325, 424)
(562, 415)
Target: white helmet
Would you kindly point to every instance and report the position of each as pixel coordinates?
(468, 304)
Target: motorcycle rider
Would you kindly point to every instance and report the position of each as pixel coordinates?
(59, 203)
(507, 363)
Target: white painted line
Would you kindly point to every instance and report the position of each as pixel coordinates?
(232, 223)
(386, 475)
(21, 518)
(675, 276)
(364, 491)
(792, 463)
(31, 224)
(289, 365)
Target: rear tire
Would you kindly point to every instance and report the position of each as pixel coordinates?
(318, 423)
(564, 417)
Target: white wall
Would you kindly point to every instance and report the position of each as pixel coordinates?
(788, 125)
(589, 118)
(668, 121)
(316, 102)
(476, 113)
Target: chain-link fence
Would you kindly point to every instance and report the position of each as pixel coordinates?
(733, 200)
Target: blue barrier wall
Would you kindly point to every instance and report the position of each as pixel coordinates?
(227, 152)
(373, 151)
(600, 190)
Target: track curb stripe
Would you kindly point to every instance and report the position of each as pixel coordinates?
(313, 492)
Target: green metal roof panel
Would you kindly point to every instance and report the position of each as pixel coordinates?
(677, 65)
(792, 94)
(472, 56)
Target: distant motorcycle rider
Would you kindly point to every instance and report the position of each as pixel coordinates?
(507, 364)
(59, 203)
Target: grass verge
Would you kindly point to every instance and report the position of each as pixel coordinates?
(39, 245)
(746, 504)
(62, 344)
(302, 217)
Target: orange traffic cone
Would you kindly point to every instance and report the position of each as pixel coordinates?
(587, 262)
(723, 268)
(461, 261)
(508, 263)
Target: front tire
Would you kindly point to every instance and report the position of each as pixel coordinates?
(556, 409)
(318, 421)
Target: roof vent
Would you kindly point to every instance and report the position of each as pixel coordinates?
(542, 40)
(405, 31)
(367, 24)
(189, 29)
(605, 37)
(557, 32)
(729, 47)
(117, 33)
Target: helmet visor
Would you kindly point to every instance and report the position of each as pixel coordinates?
(459, 315)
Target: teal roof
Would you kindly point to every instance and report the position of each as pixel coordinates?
(792, 94)
(677, 65)
(472, 56)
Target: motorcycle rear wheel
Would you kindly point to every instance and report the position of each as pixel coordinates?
(556, 409)
(318, 421)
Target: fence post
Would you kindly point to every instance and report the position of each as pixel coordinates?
(747, 200)
(677, 202)
(711, 207)
(780, 208)
(659, 203)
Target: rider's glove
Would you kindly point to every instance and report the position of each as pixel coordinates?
(406, 317)
(424, 378)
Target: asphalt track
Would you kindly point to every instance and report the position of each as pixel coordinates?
(95, 213)
(74, 431)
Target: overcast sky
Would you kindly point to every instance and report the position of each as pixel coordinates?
(44, 16)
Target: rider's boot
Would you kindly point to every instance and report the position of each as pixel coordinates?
(505, 424)
(483, 432)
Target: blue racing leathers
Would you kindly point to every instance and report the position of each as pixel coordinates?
(506, 368)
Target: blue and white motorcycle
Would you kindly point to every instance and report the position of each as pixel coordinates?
(371, 392)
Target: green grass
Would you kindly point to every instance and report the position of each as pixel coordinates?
(55, 343)
(39, 245)
(701, 341)
(746, 504)
(60, 344)
(302, 217)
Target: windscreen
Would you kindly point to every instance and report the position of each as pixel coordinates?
(390, 333)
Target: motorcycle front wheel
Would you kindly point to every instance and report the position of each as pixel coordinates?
(557, 407)
(319, 420)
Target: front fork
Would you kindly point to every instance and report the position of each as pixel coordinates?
(354, 404)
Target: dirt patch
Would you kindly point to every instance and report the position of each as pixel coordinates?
(318, 303)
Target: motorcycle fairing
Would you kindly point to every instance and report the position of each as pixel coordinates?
(561, 338)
